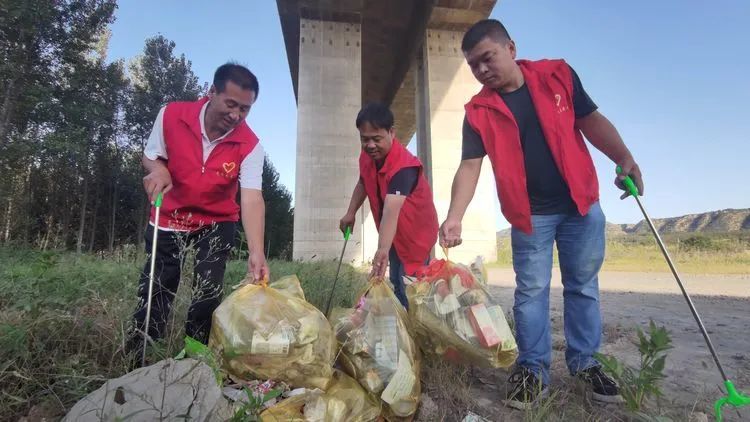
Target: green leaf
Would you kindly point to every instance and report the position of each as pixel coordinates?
(197, 350)
(658, 365)
(643, 343)
(271, 395)
(638, 384)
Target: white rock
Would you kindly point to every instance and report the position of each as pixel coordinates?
(168, 390)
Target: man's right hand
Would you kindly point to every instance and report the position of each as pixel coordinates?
(347, 221)
(159, 180)
(450, 233)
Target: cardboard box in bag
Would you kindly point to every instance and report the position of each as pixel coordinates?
(483, 325)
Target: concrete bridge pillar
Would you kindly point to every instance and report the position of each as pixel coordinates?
(329, 97)
(444, 84)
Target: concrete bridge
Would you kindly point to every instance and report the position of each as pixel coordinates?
(405, 53)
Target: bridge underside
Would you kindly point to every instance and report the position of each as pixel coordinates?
(344, 53)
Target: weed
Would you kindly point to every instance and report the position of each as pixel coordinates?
(639, 384)
(544, 410)
(250, 411)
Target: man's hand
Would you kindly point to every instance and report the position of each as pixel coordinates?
(258, 267)
(629, 168)
(347, 221)
(379, 263)
(450, 233)
(158, 180)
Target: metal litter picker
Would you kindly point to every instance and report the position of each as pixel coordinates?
(157, 206)
(733, 397)
(338, 269)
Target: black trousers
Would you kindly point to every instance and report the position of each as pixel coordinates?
(212, 244)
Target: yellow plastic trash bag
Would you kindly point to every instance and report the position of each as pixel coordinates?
(344, 401)
(291, 409)
(261, 332)
(455, 318)
(378, 351)
(290, 286)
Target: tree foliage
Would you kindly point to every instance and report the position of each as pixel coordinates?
(73, 125)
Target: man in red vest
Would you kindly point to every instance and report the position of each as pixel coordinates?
(529, 119)
(199, 155)
(393, 181)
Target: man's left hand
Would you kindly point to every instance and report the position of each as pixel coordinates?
(379, 263)
(258, 267)
(629, 168)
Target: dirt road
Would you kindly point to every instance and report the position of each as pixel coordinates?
(631, 299)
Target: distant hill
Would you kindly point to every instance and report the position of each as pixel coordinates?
(723, 221)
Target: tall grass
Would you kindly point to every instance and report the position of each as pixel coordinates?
(63, 319)
(720, 253)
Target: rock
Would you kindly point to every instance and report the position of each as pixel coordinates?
(168, 390)
(473, 417)
(698, 417)
(428, 409)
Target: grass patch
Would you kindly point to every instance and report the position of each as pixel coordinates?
(448, 387)
(63, 317)
(719, 253)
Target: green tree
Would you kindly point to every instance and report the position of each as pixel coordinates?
(51, 112)
(158, 76)
(279, 214)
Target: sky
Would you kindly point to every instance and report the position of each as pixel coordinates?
(670, 74)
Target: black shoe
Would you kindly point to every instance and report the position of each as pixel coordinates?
(603, 387)
(526, 389)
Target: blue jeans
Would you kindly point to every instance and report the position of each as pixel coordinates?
(397, 277)
(580, 243)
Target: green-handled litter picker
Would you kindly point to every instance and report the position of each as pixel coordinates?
(338, 269)
(733, 397)
(157, 206)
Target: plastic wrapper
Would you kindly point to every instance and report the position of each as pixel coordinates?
(378, 350)
(454, 317)
(290, 409)
(261, 332)
(344, 401)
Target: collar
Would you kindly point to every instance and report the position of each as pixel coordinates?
(202, 120)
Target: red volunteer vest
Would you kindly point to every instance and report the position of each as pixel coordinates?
(417, 228)
(550, 84)
(201, 194)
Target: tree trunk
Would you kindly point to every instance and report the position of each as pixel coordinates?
(142, 217)
(9, 210)
(28, 205)
(113, 219)
(92, 239)
(8, 215)
(5, 111)
(56, 240)
(65, 229)
(113, 200)
(50, 225)
(84, 201)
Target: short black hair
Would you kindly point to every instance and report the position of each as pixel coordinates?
(485, 28)
(378, 115)
(238, 74)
